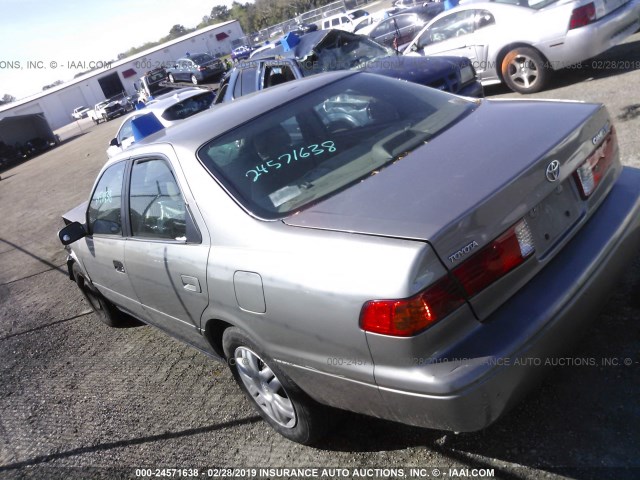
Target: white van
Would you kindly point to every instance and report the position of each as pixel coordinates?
(338, 22)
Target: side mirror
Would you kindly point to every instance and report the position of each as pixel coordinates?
(114, 142)
(71, 233)
(414, 47)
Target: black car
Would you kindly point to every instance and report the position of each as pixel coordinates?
(196, 68)
(331, 50)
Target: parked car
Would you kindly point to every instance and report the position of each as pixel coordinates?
(196, 68)
(337, 245)
(523, 43)
(241, 53)
(329, 50)
(80, 112)
(169, 110)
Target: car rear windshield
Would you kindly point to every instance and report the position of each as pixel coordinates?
(320, 143)
(202, 58)
(189, 106)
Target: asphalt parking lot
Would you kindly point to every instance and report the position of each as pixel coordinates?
(80, 400)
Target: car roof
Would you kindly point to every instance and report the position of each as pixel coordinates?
(161, 105)
(197, 130)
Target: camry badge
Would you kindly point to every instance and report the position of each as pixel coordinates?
(600, 135)
(553, 171)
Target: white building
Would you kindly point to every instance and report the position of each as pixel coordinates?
(58, 102)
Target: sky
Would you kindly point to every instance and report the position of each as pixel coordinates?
(41, 41)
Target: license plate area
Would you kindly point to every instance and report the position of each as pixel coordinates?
(552, 218)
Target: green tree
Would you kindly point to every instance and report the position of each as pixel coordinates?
(177, 31)
(219, 13)
(7, 99)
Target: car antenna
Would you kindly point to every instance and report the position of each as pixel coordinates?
(396, 37)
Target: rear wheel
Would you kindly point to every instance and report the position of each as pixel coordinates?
(524, 70)
(194, 79)
(103, 308)
(278, 400)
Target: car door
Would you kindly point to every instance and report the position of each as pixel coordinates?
(185, 70)
(484, 34)
(165, 257)
(452, 34)
(105, 242)
(383, 33)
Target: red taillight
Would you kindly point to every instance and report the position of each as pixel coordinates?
(582, 16)
(406, 317)
(496, 259)
(592, 171)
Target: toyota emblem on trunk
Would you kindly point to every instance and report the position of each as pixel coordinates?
(553, 171)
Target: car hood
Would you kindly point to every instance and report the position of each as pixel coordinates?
(414, 69)
(439, 188)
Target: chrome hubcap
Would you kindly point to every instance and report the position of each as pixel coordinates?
(523, 71)
(264, 387)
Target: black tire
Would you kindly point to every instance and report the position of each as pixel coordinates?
(171, 79)
(524, 70)
(194, 79)
(309, 420)
(103, 308)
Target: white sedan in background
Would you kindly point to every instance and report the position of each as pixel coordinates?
(521, 42)
(168, 109)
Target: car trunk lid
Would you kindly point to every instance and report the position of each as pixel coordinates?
(474, 181)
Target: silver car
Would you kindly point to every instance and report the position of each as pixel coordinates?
(354, 241)
(521, 42)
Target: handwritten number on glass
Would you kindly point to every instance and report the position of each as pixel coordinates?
(291, 157)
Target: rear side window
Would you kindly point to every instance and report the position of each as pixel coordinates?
(104, 214)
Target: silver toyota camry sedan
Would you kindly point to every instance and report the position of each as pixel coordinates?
(357, 242)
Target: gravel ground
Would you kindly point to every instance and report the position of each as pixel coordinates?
(80, 400)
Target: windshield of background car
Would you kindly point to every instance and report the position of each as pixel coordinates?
(189, 106)
(341, 51)
(318, 144)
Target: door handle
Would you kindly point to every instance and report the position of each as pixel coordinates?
(190, 284)
(118, 266)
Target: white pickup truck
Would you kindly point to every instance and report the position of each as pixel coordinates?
(106, 110)
(80, 112)
(98, 114)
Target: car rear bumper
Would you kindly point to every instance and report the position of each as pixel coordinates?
(591, 40)
(491, 368)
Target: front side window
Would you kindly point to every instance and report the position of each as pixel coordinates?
(455, 25)
(315, 145)
(104, 215)
(156, 206)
